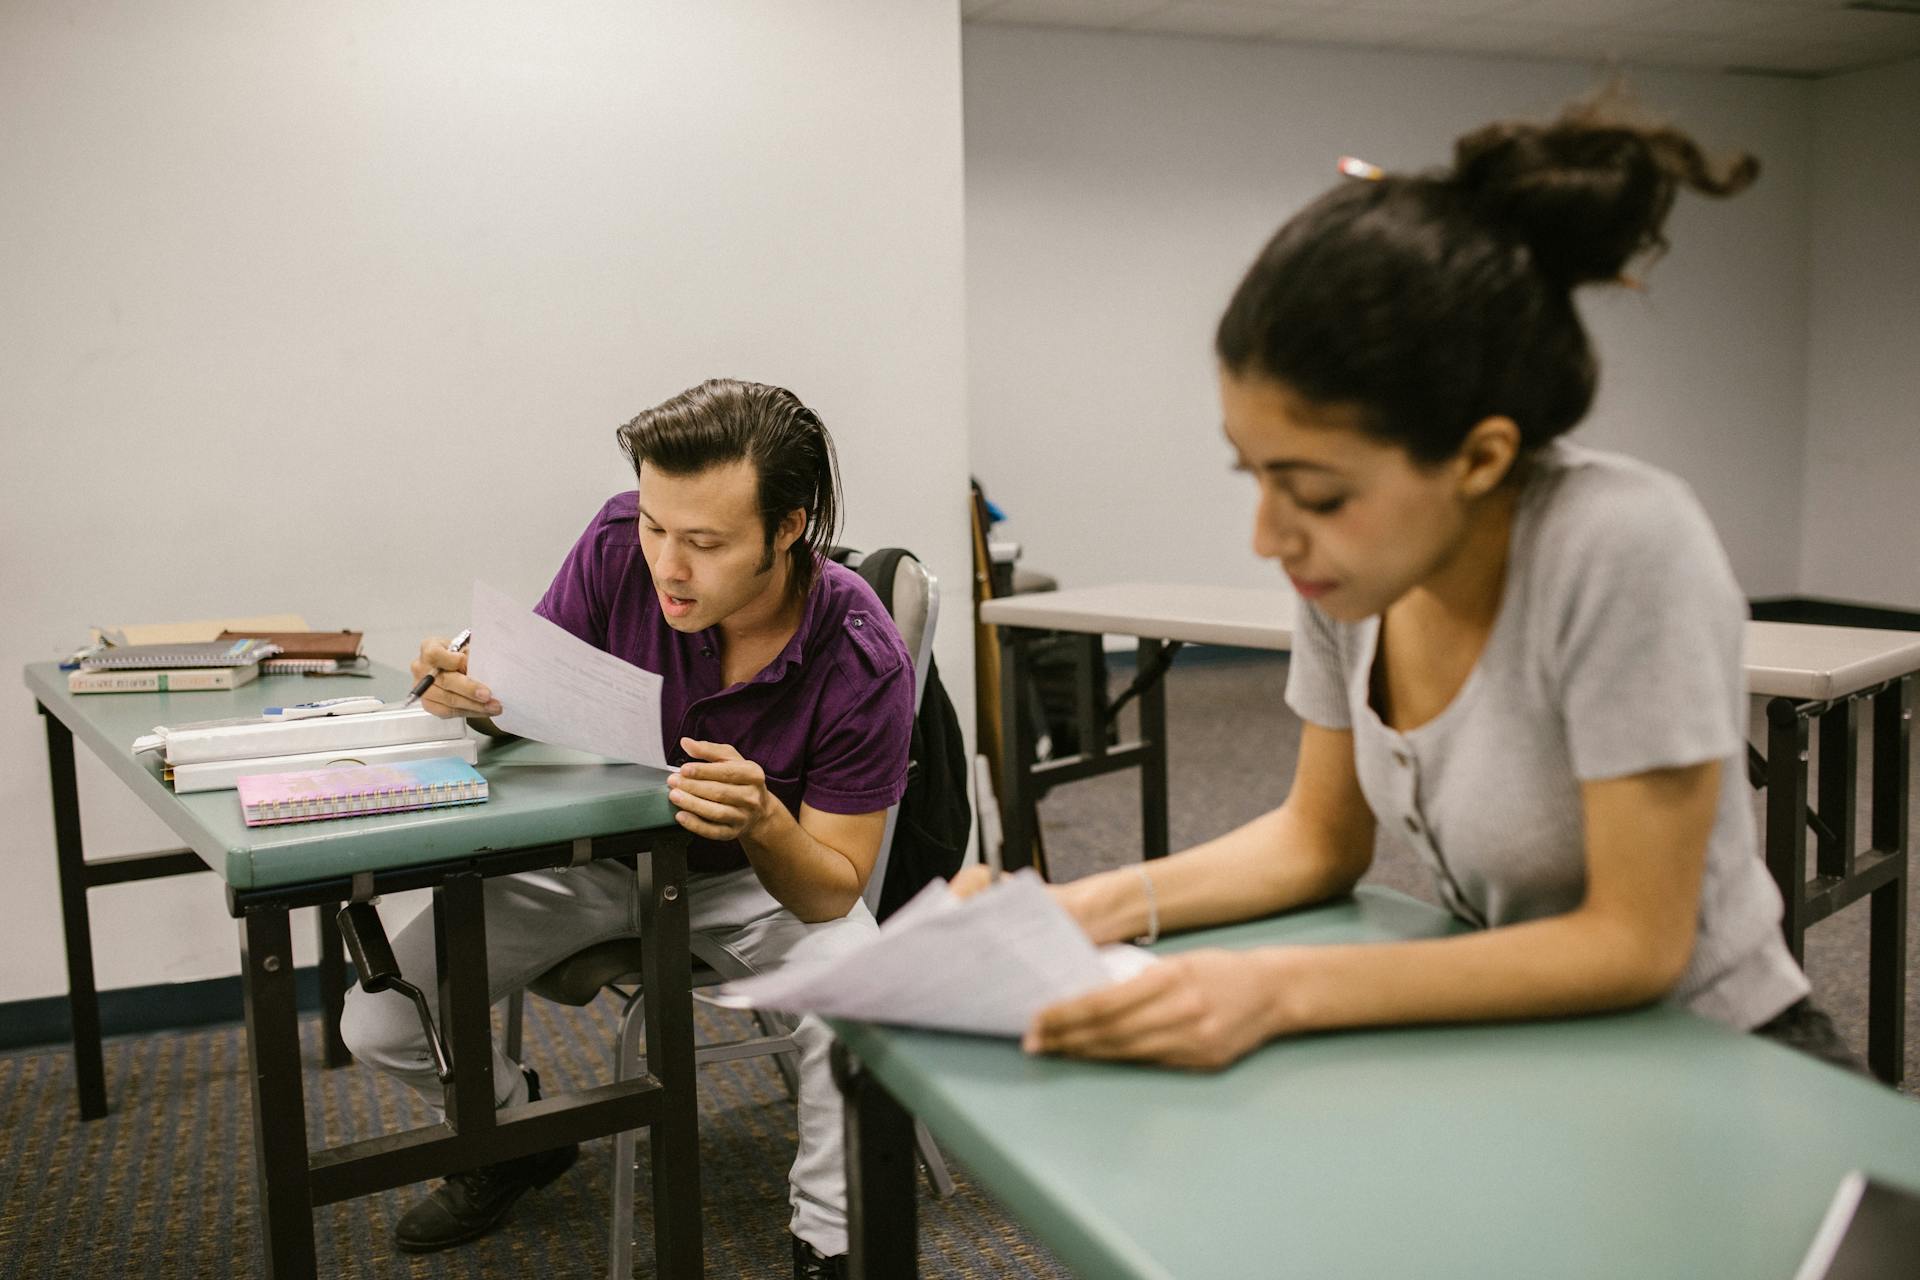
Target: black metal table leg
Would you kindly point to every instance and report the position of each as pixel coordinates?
(674, 1140)
(1786, 837)
(460, 958)
(1019, 802)
(882, 1208)
(279, 1108)
(333, 988)
(1153, 766)
(1887, 923)
(83, 999)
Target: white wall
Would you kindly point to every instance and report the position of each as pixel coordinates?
(1862, 519)
(333, 307)
(1118, 185)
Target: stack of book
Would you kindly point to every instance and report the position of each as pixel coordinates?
(209, 661)
(214, 756)
(170, 668)
(317, 653)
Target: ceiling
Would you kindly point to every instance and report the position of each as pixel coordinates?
(1798, 38)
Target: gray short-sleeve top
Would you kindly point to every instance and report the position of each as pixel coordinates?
(1617, 649)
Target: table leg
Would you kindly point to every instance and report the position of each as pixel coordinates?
(1786, 837)
(1887, 923)
(882, 1225)
(83, 1000)
(279, 1108)
(460, 957)
(1153, 767)
(333, 987)
(1019, 805)
(674, 1139)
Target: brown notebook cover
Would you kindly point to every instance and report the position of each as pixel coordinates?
(305, 644)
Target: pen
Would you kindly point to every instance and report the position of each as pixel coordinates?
(426, 681)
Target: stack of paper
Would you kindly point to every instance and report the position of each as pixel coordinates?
(985, 965)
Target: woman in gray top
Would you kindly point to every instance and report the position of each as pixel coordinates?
(1524, 655)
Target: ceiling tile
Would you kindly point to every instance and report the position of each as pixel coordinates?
(1353, 26)
(1212, 18)
(1587, 14)
(1094, 14)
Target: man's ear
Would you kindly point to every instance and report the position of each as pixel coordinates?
(792, 525)
(1487, 455)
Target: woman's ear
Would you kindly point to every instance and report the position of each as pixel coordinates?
(1487, 455)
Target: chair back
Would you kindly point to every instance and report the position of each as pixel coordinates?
(915, 606)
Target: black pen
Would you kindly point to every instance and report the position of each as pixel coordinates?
(426, 681)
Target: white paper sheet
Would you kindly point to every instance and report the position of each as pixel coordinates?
(986, 965)
(554, 687)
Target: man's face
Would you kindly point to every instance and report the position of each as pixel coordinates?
(705, 544)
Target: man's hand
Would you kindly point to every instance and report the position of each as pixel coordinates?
(1201, 1009)
(720, 795)
(452, 693)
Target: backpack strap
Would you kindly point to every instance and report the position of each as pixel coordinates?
(878, 568)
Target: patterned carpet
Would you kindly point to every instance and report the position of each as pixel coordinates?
(163, 1186)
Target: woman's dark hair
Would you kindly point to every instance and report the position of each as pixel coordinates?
(1430, 302)
(724, 420)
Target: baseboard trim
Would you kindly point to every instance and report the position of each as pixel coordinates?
(1833, 613)
(164, 1006)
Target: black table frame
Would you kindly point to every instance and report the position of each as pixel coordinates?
(1023, 781)
(291, 1180)
(1843, 872)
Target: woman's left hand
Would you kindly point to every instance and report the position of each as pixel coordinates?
(1200, 1009)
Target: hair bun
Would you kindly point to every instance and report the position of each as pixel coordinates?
(1590, 191)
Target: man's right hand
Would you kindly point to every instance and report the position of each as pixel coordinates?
(452, 693)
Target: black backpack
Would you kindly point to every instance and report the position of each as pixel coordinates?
(930, 831)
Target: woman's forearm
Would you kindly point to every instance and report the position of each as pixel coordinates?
(1267, 865)
(1582, 962)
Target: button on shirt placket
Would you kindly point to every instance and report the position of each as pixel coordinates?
(1407, 766)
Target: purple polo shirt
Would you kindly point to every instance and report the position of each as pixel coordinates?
(828, 720)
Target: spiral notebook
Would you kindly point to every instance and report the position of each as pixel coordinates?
(358, 790)
(214, 653)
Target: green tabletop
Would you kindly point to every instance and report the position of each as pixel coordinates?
(537, 793)
(1645, 1144)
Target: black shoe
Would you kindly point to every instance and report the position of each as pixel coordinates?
(468, 1205)
(810, 1264)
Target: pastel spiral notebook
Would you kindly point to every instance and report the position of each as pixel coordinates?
(356, 790)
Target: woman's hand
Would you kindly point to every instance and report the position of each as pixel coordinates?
(970, 880)
(1200, 1009)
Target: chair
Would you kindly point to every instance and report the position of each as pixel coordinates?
(615, 964)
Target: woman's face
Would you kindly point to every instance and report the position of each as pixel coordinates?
(1354, 523)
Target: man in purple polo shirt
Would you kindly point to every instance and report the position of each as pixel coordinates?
(787, 707)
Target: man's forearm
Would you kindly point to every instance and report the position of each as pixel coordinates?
(813, 880)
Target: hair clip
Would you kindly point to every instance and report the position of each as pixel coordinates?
(1354, 167)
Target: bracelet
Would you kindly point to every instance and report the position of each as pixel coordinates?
(1152, 935)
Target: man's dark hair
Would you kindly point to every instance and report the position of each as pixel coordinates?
(1430, 302)
(724, 420)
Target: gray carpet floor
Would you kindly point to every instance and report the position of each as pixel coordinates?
(163, 1187)
(1232, 746)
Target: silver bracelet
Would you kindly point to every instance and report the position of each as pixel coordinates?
(1152, 935)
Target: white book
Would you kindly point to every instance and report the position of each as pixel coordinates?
(173, 680)
(316, 733)
(220, 775)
